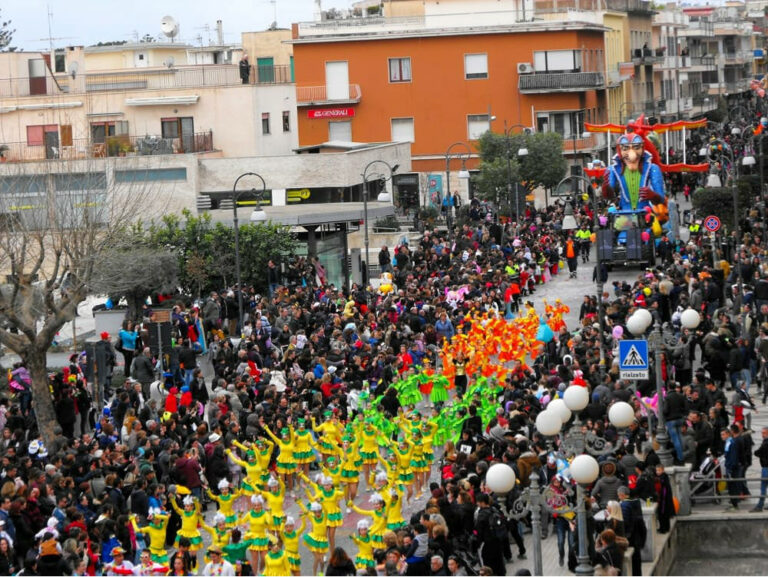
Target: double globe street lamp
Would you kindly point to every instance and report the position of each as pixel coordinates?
(638, 324)
(584, 469)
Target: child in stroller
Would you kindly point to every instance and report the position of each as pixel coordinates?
(704, 481)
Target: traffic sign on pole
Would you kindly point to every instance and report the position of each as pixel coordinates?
(633, 359)
(712, 223)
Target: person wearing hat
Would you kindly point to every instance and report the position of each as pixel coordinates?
(119, 565)
(147, 567)
(290, 536)
(226, 500)
(276, 563)
(158, 522)
(191, 517)
(218, 565)
(329, 433)
(303, 446)
(253, 468)
(275, 497)
(317, 538)
(285, 466)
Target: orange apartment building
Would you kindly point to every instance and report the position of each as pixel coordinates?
(447, 79)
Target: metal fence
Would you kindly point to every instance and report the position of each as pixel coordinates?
(82, 148)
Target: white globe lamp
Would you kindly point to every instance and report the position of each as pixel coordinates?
(560, 408)
(636, 325)
(690, 319)
(548, 423)
(646, 316)
(621, 414)
(500, 478)
(584, 469)
(576, 398)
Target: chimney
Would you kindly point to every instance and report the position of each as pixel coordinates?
(318, 13)
(219, 33)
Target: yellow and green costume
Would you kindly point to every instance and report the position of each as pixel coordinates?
(276, 564)
(226, 506)
(189, 523)
(364, 558)
(156, 533)
(256, 536)
(291, 544)
(285, 462)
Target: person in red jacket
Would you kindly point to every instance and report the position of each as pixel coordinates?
(189, 472)
(171, 402)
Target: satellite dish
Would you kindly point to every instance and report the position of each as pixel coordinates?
(169, 26)
(73, 70)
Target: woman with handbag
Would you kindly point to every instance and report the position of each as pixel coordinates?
(608, 553)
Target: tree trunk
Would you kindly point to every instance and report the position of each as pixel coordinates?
(35, 359)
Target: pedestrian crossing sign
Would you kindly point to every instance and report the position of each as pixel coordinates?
(633, 359)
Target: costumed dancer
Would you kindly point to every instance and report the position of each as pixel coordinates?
(226, 500)
(439, 394)
(158, 522)
(392, 493)
(264, 449)
(316, 539)
(419, 464)
(276, 563)
(275, 497)
(404, 454)
(378, 516)
(328, 496)
(291, 536)
(190, 519)
(428, 433)
(369, 449)
(332, 467)
(329, 433)
(219, 532)
(252, 469)
(285, 465)
(351, 463)
(256, 536)
(364, 560)
(303, 446)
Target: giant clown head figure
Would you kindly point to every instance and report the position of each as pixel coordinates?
(630, 147)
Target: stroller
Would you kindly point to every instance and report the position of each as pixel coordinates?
(704, 481)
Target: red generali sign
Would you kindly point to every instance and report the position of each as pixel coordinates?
(330, 112)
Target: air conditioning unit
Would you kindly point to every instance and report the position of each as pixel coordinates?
(524, 68)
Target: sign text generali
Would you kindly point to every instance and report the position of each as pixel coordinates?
(330, 113)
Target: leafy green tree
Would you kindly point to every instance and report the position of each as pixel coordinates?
(719, 202)
(543, 166)
(6, 36)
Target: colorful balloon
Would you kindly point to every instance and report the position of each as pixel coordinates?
(645, 235)
(617, 332)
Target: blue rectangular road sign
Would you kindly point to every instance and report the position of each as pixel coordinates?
(633, 359)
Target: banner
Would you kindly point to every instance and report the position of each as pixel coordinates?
(435, 190)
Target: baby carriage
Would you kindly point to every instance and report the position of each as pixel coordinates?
(704, 481)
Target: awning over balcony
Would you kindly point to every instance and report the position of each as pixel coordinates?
(163, 101)
(561, 82)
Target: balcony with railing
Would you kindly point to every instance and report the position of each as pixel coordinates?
(698, 63)
(318, 95)
(698, 29)
(576, 143)
(212, 75)
(121, 145)
(560, 82)
(646, 55)
(737, 57)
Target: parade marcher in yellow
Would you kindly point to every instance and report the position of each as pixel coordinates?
(379, 519)
(316, 540)
(303, 445)
(286, 466)
(219, 532)
(392, 493)
(190, 519)
(275, 497)
(256, 536)
(351, 463)
(158, 523)
(369, 448)
(226, 500)
(276, 562)
(364, 559)
(330, 433)
(328, 496)
(263, 449)
(419, 464)
(291, 536)
(332, 467)
(252, 468)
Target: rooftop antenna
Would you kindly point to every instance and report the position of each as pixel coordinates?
(169, 27)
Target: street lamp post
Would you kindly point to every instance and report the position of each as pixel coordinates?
(716, 147)
(463, 172)
(520, 153)
(383, 197)
(637, 324)
(749, 160)
(257, 216)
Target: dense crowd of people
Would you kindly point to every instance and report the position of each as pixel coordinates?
(334, 405)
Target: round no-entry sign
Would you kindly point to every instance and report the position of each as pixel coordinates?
(712, 223)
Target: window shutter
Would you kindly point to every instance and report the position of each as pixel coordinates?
(66, 135)
(35, 135)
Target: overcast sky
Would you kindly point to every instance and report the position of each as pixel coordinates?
(86, 22)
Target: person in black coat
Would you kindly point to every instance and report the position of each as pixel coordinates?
(491, 547)
(340, 563)
(66, 414)
(664, 498)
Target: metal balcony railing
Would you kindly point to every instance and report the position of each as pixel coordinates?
(144, 79)
(307, 95)
(565, 81)
(123, 145)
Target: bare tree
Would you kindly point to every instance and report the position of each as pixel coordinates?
(59, 221)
